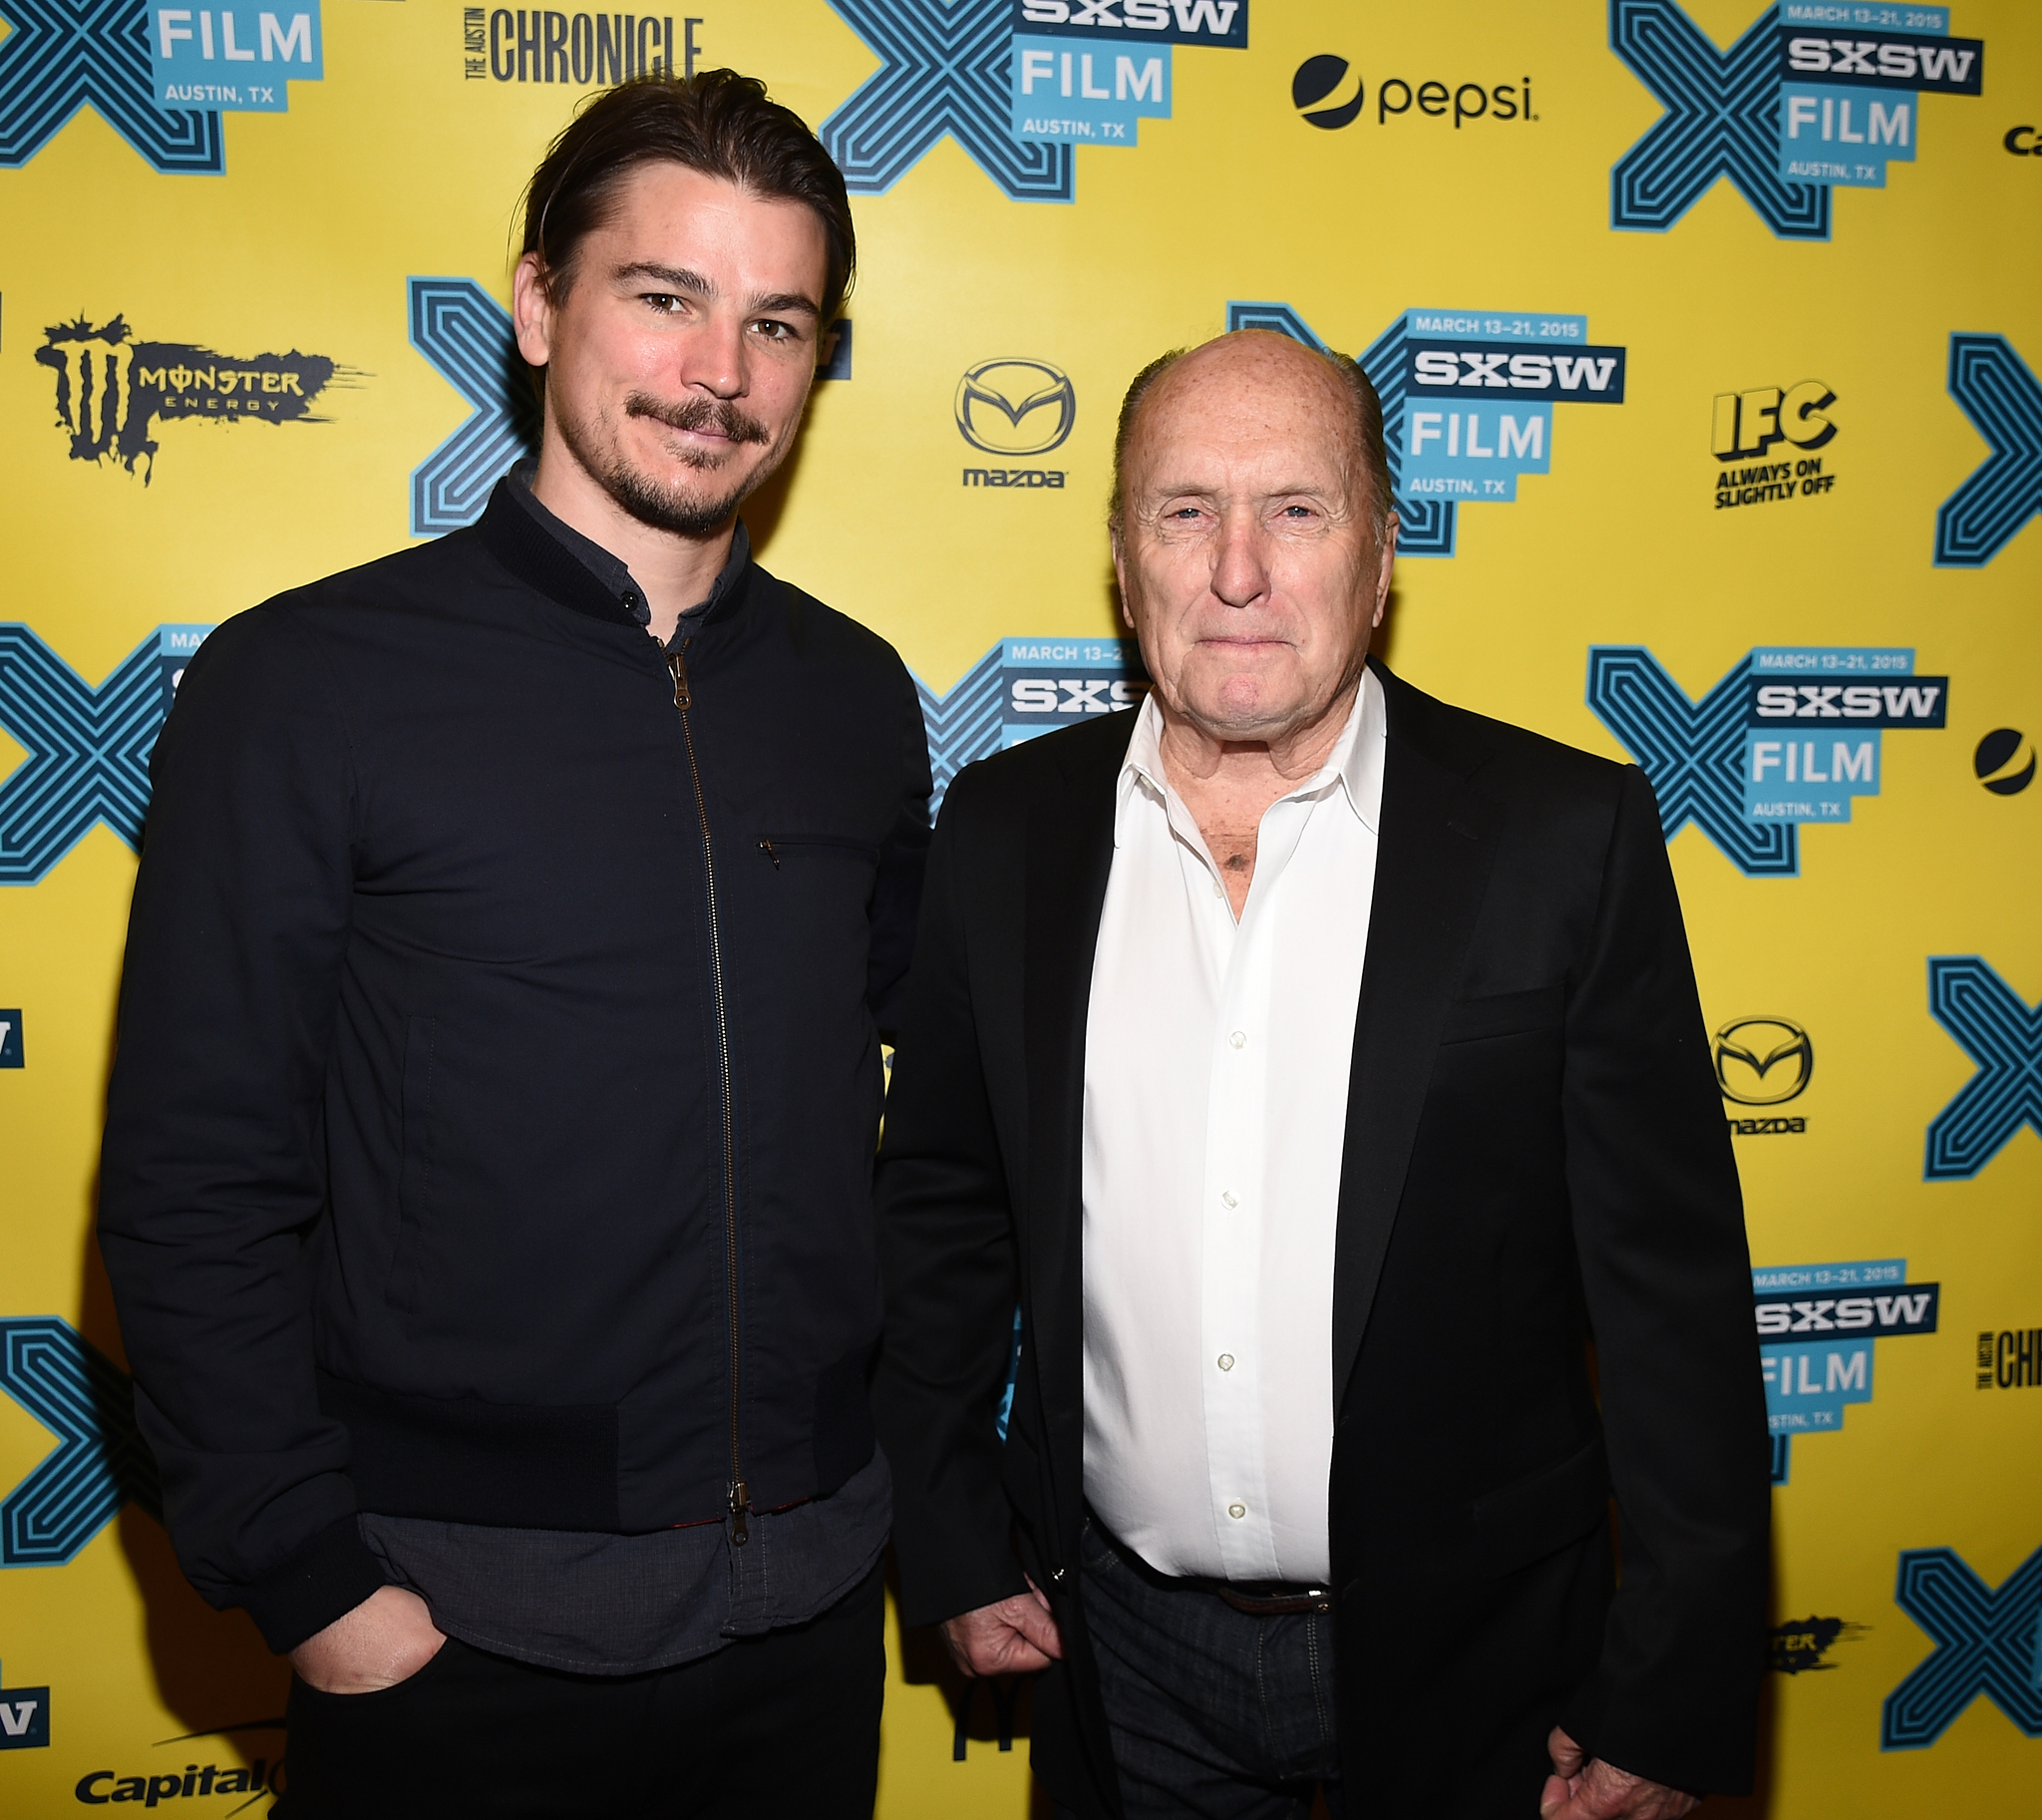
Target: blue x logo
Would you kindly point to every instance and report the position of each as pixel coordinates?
(1721, 121)
(1423, 527)
(2004, 403)
(88, 749)
(63, 55)
(467, 335)
(1692, 751)
(1996, 1029)
(942, 68)
(85, 1400)
(963, 724)
(1986, 1642)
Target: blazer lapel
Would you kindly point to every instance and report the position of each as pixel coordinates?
(1068, 856)
(1437, 845)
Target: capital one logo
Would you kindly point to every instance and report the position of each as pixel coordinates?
(1015, 406)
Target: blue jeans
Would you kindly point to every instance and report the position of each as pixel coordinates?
(1214, 1712)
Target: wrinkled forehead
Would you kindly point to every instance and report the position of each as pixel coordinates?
(1233, 409)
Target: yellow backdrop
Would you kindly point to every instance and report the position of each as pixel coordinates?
(1800, 246)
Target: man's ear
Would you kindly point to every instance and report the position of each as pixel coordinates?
(1386, 567)
(532, 311)
(1120, 574)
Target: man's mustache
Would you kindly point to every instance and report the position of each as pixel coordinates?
(717, 414)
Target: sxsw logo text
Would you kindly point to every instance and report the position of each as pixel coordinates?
(1815, 1326)
(24, 1718)
(241, 65)
(1023, 687)
(1222, 23)
(1796, 107)
(1760, 753)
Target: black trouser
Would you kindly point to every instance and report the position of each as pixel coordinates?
(784, 1724)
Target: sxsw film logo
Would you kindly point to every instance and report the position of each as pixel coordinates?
(1747, 424)
(1816, 95)
(1986, 1642)
(233, 57)
(158, 76)
(2000, 1031)
(112, 390)
(1024, 687)
(87, 748)
(1479, 392)
(1473, 392)
(24, 1718)
(1791, 735)
(1815, 1326)
(1018, 84)
(1763, 1061)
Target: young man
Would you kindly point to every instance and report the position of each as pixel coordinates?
(1317, 1064)
(487, 1176)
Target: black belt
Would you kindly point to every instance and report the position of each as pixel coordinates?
(1257, 1597)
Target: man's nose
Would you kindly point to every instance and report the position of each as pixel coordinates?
(1241, 576)
(713, 357)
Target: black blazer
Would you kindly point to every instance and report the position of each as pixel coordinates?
(1537, 1157)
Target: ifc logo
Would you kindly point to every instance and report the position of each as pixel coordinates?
(1998, 761)
(1763, 1061)
(1014, 407)
(1316, 79)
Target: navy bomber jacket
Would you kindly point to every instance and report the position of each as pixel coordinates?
(491, 1137)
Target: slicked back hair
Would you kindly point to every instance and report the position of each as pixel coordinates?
(716, 122)
(1372, 456)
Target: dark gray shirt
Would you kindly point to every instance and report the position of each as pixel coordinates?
(598, 1603)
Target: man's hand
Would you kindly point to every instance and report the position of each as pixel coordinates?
(1594, 1790)
(385, 1640)
(1015, 1637)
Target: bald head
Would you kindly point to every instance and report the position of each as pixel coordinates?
(1262, 359)
(1252, 536)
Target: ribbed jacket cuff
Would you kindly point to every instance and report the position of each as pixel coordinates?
(328, 1577)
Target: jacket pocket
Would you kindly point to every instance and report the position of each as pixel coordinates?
(415, 1168)
(842, 845)
(1533, 1517)
(1472, 1020)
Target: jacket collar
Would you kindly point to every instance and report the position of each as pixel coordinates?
(516, 536)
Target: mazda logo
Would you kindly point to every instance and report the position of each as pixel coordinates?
(1763, 1061)
(1015, 406)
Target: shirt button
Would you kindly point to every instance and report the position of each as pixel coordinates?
(1218, 889)
(1237, 1040)
(1236, 1511)
(1226, 1361)
(1226, 1195)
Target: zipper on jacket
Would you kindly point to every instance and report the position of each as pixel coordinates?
(684, 699)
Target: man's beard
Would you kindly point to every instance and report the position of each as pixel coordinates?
(666, 506)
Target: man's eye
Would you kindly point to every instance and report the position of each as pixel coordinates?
(665, 302)
(1186, 512)
(1299, 512)
(774, 331)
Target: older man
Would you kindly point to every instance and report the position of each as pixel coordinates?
(1319, 1066)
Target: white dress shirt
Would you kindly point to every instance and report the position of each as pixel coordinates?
(1216, 1060)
